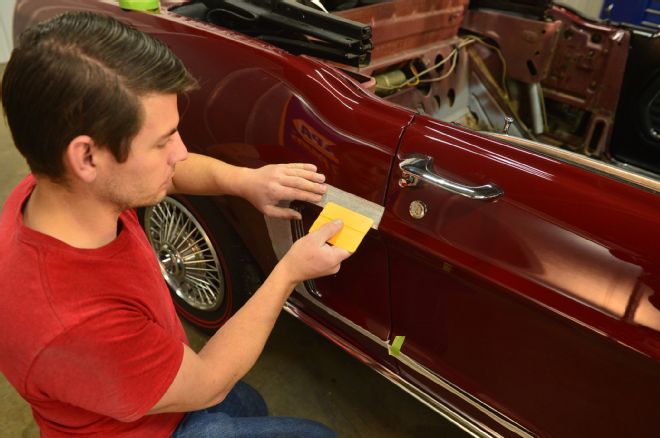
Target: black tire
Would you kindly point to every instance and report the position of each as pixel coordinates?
(207, 268)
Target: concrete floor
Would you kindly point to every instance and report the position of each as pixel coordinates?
(299, 374)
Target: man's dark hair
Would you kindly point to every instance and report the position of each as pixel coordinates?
(83, 74)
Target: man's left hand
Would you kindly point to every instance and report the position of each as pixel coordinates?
(267, 186)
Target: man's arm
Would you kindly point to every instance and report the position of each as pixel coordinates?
(204, 379)
(264, 187)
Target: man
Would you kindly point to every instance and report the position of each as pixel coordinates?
(89, 336)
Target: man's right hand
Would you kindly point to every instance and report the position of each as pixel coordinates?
(311, 257)
(204, 379)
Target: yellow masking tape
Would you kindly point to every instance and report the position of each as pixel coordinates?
(354, 229)
(140, 5)
(395, 348)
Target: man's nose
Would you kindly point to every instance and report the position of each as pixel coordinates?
(179, 151)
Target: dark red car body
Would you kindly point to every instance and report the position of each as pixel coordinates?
(537, 313)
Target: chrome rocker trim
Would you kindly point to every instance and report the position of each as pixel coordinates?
(449, 414)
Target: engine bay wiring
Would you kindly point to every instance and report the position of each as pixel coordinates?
(417, 76)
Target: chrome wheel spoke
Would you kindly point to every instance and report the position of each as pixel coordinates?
(188, 261)
(201, 269)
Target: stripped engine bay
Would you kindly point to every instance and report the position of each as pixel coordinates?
(531, 69)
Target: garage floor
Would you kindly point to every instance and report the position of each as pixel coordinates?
(300, 373)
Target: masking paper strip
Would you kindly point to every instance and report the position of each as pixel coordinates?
(352, 202)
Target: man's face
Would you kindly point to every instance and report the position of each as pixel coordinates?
(145, 177)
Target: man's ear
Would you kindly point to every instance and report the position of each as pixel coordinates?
(81, 158)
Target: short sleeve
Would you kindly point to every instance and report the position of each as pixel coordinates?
(117, 365)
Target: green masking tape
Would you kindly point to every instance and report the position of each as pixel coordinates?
(395, 348)
(140, 5)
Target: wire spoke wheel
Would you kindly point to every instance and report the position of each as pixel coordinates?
(186, 255)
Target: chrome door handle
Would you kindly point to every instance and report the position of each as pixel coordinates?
(418, 168)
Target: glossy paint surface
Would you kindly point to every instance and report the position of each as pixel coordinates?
(528, 298)
(542, 305)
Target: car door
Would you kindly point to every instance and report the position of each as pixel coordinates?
(526, 284)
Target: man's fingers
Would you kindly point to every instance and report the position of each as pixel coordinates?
(282, 213)
(310, 192)
(303, 184)
(326, 231)
(300, 195)
(304, 166)
(306, 174)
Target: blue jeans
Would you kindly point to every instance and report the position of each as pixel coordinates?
(243, 413)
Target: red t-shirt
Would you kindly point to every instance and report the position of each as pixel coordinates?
(89, 337)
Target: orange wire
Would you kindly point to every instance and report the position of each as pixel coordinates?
(413, 69)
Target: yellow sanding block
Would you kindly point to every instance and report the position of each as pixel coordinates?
(354, 229)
